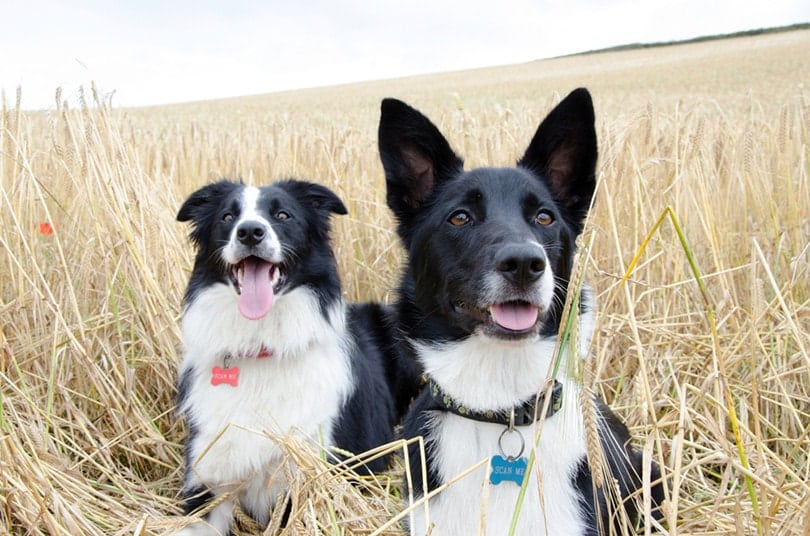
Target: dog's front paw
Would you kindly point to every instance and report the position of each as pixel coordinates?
(216, 523)
(198, 529)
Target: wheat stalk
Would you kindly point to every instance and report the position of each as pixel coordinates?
(89, 441)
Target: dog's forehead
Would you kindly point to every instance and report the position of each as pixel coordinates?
(231, 200)
(272, 195)
(248, 199)
(502, 184)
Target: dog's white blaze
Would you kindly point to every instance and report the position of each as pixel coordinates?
(285, 393)
(485, 373)
(270, 247)
(250, 202)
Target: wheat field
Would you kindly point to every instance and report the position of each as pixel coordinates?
(704, 349)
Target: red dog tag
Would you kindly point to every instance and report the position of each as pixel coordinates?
(225, 375)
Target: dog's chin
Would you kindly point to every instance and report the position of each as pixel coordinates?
(495, 331)
(491, 324)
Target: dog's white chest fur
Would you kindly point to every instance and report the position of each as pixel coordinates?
(473, 505)
(484, 374)
(299, 389)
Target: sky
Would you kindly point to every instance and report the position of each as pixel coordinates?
(146, 52)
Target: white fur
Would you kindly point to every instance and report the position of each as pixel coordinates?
(300, 389)
(458, 443)
(484, 373)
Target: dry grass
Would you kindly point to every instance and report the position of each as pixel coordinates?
(719, 132)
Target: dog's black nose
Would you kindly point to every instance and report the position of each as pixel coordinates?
(250, 233)
(521, 264)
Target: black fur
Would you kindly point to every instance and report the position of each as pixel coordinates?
(402, 373)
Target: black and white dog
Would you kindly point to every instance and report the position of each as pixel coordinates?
(270, 346)
(490, 255)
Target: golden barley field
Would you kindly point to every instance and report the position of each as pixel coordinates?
(704, 350)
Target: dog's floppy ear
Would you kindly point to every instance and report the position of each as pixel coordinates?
(415, 156)
(563, 154)
(197, 208)
(319, 203)
(316, 196)
(200, 202)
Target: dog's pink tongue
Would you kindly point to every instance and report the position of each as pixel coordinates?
(256, 297)
(514, 316)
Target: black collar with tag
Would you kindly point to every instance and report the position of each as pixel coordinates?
(524, 414)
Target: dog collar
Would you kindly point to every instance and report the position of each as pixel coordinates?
(230, 375)
(263, 353)
(524, 414)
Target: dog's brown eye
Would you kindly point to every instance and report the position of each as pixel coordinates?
(281, 215)
(544, 218)
(459, 218)
(227, 217)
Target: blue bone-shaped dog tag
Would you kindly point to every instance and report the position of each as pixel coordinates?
(506, 469)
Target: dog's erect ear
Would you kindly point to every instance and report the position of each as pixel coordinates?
(563, 154)
(316, 196)
(415, 156)
(201, 201)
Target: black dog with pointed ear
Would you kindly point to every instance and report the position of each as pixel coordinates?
(490, 254)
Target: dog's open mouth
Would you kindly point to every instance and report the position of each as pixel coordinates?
(515, 316)
(257, 282)
(510, 319)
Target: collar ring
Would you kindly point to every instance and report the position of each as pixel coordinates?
(522, 444)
